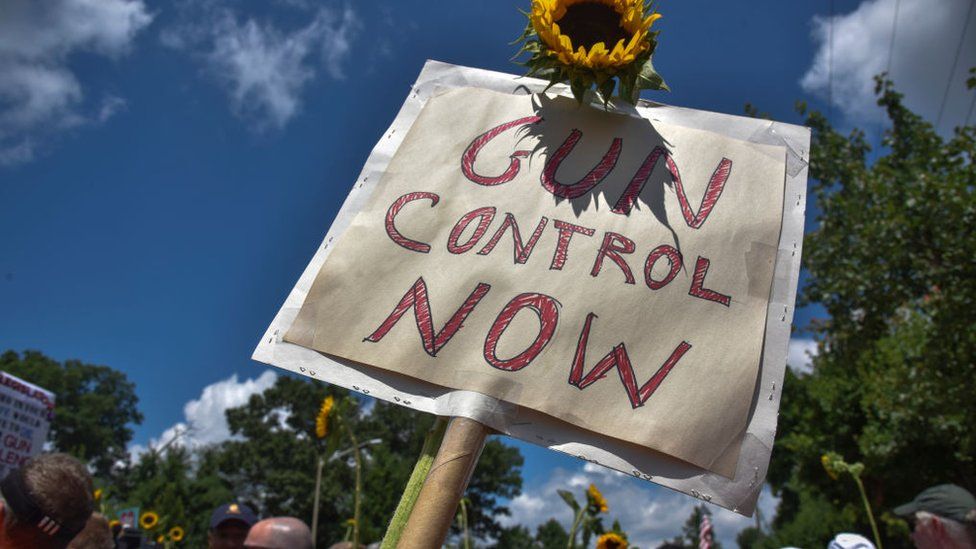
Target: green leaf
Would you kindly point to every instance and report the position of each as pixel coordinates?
(525, 33)
(578, 87)
(554, 79)
(606, 90)
(649, 79)
(627, 88)
(569, 499)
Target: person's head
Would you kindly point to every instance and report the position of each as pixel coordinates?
(229, 525)
(850, 541)
(45, 503)
(279, 533)
(96, 535)
(942, 516)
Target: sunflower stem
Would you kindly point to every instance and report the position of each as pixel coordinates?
(399, 521)
(867, 508)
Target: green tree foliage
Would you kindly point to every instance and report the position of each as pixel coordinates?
(273, 462)
(183, 487)
(748, 537)
(498, 475)
(689, 531)
(270, 465)
(892, 386)
(548, 535)
(551, 535)
(95, 405)
(516, 537)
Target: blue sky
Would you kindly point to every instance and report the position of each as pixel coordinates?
(168, 168)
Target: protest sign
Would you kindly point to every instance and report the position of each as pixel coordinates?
(129, 517)
(26, 411)
(534, 283)
(614, 285)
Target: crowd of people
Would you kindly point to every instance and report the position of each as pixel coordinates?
(48, 503)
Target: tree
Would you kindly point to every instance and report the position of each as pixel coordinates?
(748, 537)
(689, 531)
(181, 485)
(516, 537)
(94, 406)
(273, 461)
(891, 261)
(692, 527)
(548, 535)
(551, 535)
(498, 475)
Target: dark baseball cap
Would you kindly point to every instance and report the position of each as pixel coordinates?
(945, 500)
(232, 511)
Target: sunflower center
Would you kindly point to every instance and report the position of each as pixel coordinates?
(587, 23)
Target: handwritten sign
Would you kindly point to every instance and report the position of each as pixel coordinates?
(606, 270)
(26, 411)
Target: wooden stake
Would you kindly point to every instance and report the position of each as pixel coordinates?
(437, 503)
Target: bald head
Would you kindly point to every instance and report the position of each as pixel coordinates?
(279, 533)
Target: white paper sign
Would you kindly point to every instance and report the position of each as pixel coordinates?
(26, 411)
(731, 479)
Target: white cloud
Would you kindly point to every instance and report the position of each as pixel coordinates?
(926, 39)
(648, 513)
(204, 421)
(40, 95)
(111, 106)
(263, 68)
(800, 355)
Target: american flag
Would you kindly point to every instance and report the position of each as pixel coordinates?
(705, 531)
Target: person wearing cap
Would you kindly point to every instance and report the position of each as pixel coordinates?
(45, 503)
(942, 516)
(229, 525)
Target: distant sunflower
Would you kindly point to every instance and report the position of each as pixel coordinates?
(597, 499)
(593, 42)
(176, 533)
(148, 520)
(611, 540)
(322, 420)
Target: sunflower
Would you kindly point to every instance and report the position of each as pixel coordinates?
(611, 540)
(148, 520)
(113, 523)
(322, 420)
(587, 42)
(597, 499)
(176, 533)
(829, 462)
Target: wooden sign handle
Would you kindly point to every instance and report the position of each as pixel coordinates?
(445, 484)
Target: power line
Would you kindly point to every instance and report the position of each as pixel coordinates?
(952, 71)
(891, 53)
(971, 105)
(891, 44)
(830, 60)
